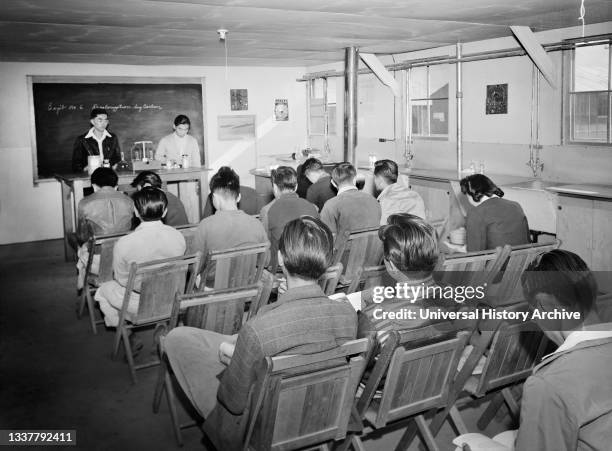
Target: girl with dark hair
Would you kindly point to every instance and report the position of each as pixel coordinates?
(493, 221)
(178, 144)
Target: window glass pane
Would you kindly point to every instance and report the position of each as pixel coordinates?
(591, 68)
(317, 88)
(418, 83)
(317, 117)
(420, 123)
(438, 81)
(439, 117)
(590, 116)
(331, 90)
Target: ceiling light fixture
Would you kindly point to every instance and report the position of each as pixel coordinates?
(222, 32)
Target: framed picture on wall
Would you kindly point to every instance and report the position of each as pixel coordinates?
(497, 99)
(235, 127)
(281, 110)
(239, 99)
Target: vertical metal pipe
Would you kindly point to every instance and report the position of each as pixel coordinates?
(308, 124)
(351, 60)
(459, 114)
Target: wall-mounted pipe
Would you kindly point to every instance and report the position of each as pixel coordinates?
(459, 113)
(479, 56)
(351, 61)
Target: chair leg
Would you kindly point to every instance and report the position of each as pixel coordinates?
(407, 437)
(513, 406)
(457, 421)
(117, 341)
(489, 413)
(82, 301)
(92, 312)
(357, 443)
(428, 437)
(128, 353)
(159, 386)
(170, 396)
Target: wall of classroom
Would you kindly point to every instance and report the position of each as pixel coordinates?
(501, 141)
(30, 213)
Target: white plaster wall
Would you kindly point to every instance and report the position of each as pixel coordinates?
(29, 212)
(501, 141)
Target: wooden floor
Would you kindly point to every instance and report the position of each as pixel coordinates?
(55, 374)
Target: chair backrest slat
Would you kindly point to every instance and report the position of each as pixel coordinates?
(306, 400)
(356, 250)
(329, 280)
(515, 350)
(236, 267)
(159, 282)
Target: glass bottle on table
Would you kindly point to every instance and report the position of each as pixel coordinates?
(123, 165)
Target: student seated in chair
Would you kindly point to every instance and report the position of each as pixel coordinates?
(176, 214)
(229, 227)
(493, 221)
(410, 256)
(151, 240)
(395, 197)
(286, 206)
(104, 212)
(321, 189)
(351, 209)
(217, 371)
(567, 402)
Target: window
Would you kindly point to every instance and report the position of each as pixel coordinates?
(322, 106)
(428, 101)
(590, 94)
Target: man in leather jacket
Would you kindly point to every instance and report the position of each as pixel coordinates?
(97, 141)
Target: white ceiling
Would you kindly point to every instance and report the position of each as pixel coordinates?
(262, 32)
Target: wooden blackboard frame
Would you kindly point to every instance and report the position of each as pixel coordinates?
(31, 79)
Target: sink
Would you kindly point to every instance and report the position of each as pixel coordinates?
(534, 184)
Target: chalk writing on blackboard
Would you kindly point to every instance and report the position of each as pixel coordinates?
(58, 108)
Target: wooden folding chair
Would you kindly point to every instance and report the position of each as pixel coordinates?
(220, 311)
(508, 290)
(356, 250)
(367, 277)
(188, 232)
(416, 381)
(306, 400)
(329, 280)
(102, 245)
(515, 350)
(479, 268)
(158, 282)
(235, 267)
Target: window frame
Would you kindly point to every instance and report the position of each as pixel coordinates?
(429, 99)
(569, 73)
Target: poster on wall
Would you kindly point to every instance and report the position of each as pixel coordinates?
(239, 99)
(497, 99)
(230, 128)
(281, 110)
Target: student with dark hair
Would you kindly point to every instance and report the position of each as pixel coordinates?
(567, 402)
(410, 255)
(229, 227)
(101, 213)
(285, 207)
(351, 209)
(493, 221)
(151, 240)
(97, 141)
(176, 214)
(172, 147)
(218, 371)
(321, 189)
(395, 197)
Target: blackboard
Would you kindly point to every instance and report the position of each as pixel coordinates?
(140, 110)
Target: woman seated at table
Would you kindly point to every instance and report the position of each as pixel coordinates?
(493, 221)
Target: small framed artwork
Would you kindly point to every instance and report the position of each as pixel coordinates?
(497, 99)
(239, 99)
(235, 127)
(281, 110)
